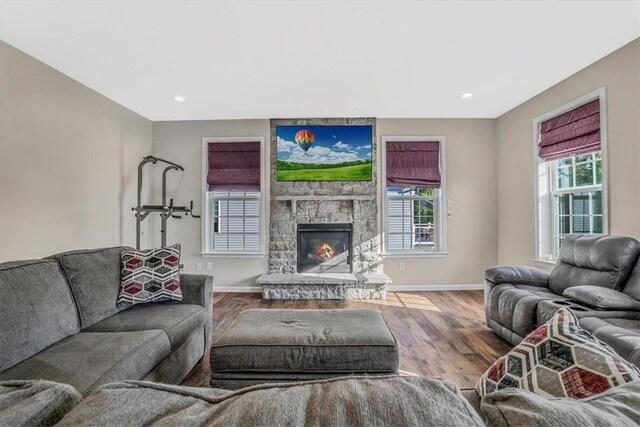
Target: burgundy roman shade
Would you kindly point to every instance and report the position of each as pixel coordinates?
(413, 164)
(571, 133)
(234, 166)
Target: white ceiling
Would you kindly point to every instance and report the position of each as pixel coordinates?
(318, 59)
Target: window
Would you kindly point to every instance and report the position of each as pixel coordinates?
(233, 194)
(413, 196)
(235, 223)
(571, 183)
(577, 197)
(411, 219)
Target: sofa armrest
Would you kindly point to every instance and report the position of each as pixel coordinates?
(197, 289)
(517, 275)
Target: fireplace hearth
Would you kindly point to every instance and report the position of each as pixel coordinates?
(324, 248)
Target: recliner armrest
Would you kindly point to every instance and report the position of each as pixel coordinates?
(517, 275)
(197, 289)
(602, 298)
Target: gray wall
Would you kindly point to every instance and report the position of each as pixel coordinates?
(68, 159)
(619, 72)
(471, 177)
(181, 142)
(471, 188)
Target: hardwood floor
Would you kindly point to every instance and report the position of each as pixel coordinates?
(440, 334)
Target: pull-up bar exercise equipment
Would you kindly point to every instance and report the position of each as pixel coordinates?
(165, 211)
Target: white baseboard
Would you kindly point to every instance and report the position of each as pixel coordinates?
(427, 288)
(392, 288)
(242, 289)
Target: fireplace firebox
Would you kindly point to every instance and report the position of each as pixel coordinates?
(324, 248)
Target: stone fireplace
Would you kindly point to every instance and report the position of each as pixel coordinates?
(330, 205)
(324, 248)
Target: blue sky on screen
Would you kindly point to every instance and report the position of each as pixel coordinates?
(333, 144)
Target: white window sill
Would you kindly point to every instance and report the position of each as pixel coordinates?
(416, 255)
(543, 262)
(232, 255)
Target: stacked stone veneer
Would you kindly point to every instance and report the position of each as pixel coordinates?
(362, 213)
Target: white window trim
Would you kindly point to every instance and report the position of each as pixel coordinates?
(600, 93)
(263, 197)
(442, 217)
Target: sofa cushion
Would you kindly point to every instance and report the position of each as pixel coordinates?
(559, 359)
(151, 275)
(632, 324)
(602, 298)
(94, 277)
(594, 260)
(89, 359)
(338, 341)
(35, 403)
(351, 401)
(546, 310)
(176, 320)
(36, 309)
(623, 335)
(619, 406)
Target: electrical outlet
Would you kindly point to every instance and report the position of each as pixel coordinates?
(209, 266)
(198, 266)
(401, 266)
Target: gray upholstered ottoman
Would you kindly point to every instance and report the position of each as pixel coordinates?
(266, 346)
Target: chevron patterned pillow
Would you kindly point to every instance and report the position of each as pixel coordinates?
(150, 276)
(559, 359)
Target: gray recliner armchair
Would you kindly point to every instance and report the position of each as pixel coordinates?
(596, 277)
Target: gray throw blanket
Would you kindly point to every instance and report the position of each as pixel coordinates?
(347, 401)
(35, 403)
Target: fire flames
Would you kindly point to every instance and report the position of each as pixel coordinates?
(324, 251)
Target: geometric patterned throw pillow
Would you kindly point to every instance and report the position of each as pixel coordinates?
(149, 276)
(559, 359)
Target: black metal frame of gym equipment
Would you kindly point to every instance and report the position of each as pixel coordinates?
(166, 212)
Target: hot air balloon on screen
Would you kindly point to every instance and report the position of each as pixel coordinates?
(305, 139)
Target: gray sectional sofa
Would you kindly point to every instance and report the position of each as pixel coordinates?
(60, 323)
(596, 277)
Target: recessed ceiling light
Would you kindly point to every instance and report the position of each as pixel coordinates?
(466, 95)
(179, 98)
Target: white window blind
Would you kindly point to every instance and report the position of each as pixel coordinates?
(235, 221)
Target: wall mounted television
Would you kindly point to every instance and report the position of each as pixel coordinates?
(324, 153)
